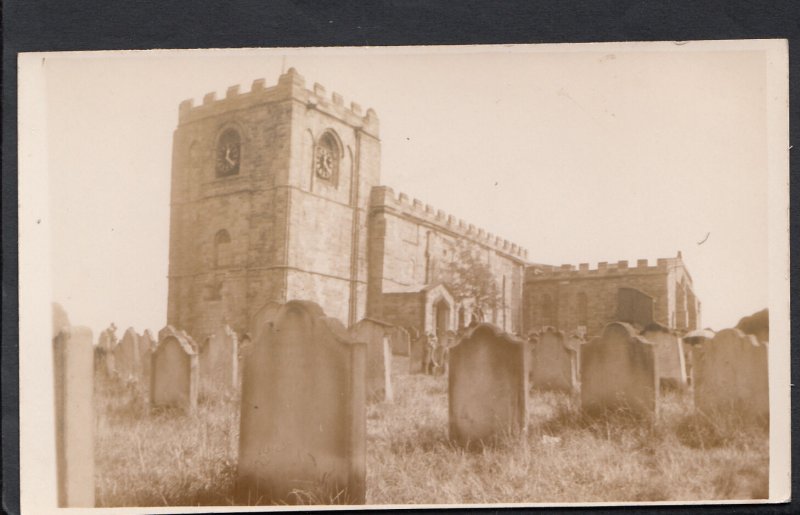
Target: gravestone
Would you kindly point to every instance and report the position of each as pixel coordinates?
(146, 346)
(174, 371)
(554, 365)
(730, 375)
(618, 374)
(575, 341)
(756, 324)
(376, 335)
(106, 343)
(690, 341)
(303, 412)
(488, 384)
(401, 341)
(219, 361)
(669, 355)
(127, 357)
(73, 373)
(418, 351)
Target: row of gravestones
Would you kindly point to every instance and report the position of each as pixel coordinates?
(173, 368)
(305, 388)
(623, 367)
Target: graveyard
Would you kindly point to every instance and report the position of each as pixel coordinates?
(330, 341)
(476, 431)
(173, 459)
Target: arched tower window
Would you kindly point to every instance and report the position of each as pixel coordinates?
(583, 309)
(222, 249)
(229, 153)
(327, 155)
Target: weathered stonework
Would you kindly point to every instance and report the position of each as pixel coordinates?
(487, 386)
(619, 374)
(73, 379)
(299, 213)
(376, 335)
(568, 298)
(303, 414)
(554, 364)
(411, 246)
(731, 375)
(274, 231)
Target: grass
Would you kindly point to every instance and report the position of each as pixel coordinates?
(170, 458)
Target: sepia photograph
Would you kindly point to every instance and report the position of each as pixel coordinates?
(503, 275)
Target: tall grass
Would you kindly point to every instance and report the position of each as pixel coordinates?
(149, 458)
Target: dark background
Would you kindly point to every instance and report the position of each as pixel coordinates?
(38, 25)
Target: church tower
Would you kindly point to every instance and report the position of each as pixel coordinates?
(269, 198)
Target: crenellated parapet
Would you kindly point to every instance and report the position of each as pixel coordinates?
(291, 85)
(603, 268)
(384, 197)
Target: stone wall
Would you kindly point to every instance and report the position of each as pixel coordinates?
(588, 297)
(292, 235)
(411, 245)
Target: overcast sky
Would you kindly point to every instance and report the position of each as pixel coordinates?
(580, 154)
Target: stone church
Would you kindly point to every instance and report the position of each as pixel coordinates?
(276, 196)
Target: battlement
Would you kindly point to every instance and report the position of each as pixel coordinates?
(291, 85)
(384, 196)
(547, 272)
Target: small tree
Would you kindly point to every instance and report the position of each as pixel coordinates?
(471, 279)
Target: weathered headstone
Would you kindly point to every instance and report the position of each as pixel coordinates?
(146, 346)
(127, 357)
(401, 341)
(618, 374)
(303, 412)
(488, 384)
(376, 335)
(106, 343)
(669, 355)
(554, 365)
(219, 361)
(730, 375)
(174, 371)
(756, 324)
(73, 367)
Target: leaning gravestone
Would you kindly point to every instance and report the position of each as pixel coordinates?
(174, 371)
(73, 372)
(669, 355)
(376, 335)
(730, 375)
(219, 361)
(488, 385)
(303, 412)
(401, 341)
(554, 365)
(126, 356)
(618, 374)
